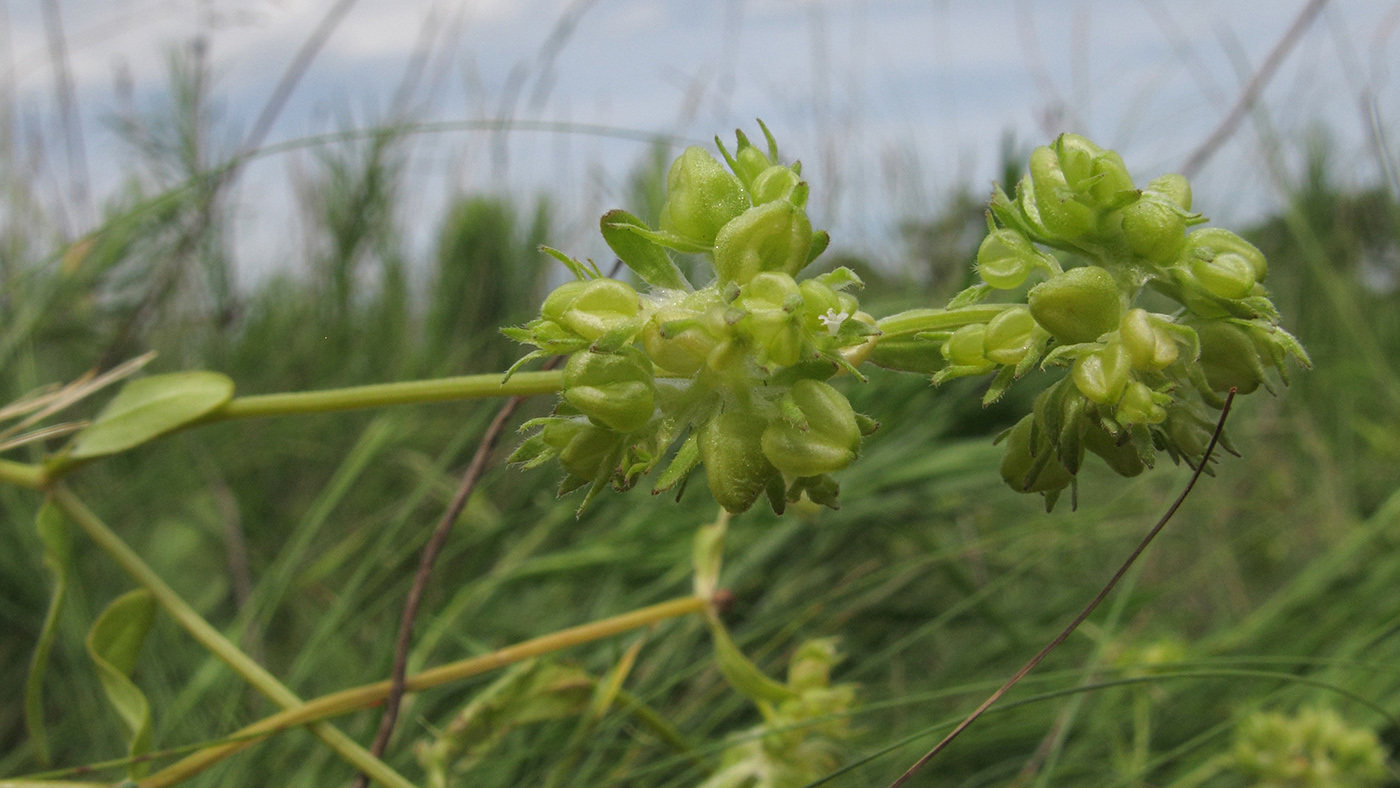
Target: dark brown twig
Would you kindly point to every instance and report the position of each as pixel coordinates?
(425, 568)
(1087, 611)
(1252, 89)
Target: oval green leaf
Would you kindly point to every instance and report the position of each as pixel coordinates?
(150, 407)
(113, 643)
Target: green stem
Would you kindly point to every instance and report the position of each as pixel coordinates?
(214, 641)
(522, 384)
(916, 321)
(21, 475)
(368, 695)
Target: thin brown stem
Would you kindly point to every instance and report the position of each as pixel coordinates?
(1088, 609)
(431, 550)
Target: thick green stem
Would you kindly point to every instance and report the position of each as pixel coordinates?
(215, 642)
(522, 384)
(21, 475)
(362, 697)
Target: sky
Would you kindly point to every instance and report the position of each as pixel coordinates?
(891, 106)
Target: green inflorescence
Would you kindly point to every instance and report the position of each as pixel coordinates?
(734, 371)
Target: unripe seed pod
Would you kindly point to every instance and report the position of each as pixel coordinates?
(1111, 177)
(1018, 461)
(1061, 213)
(1209, 242)
(1079, 305)
(1123, 459)
(774, 183)
(1005, 258)
(1011, 335)
(750, 162)
(701, 197)
(830, 442)
(1138, 406)
(735, 465)
(584, 449)
(600, 306)
(677, 341)
(1149, 346)
(818, 299)
(775, 236)
(1227, 275)
(1174, 188)
(1155, 229)
(1229, 357)
(774, 322)
(614, 390)
(1076, 156)
(558, 302)
(1101, 375)
(967, 347)
(908, 354)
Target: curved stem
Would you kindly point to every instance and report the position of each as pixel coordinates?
(214, 641)
(22, 475)
(521, 384)
(368, 695)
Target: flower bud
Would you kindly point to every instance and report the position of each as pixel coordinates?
(1079, 305)
(600, 306)
(1149, 346)
(614, 390)
(1227, 275)
(774, 183)
(774, 321)
(1020, 459)
(584, 449)
(1155, 229)
(1209, 242)
(1101, 375)
(1011, 335)
(1005, 258)
(967, 347)
(1062, 214)
(775, 236)
(829, 441)
(1139, 405)
(701, 197)
(735, 465)
(1229, 357)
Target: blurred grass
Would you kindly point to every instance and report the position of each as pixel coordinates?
(299, 535)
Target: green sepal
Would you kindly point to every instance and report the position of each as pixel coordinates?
(822, 490)
(973, 295)
(647, 258)
(669, 240)
(581, 270)
(821, 239)
(1005, 377)
(113, 643)
(58, 552)
(687, 457)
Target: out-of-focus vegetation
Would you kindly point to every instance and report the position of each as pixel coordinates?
(1274, 590)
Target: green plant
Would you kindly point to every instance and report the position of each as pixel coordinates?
(734, 376)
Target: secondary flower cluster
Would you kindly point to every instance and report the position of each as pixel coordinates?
(1140, 380)
(1314, 749)
(734, 370)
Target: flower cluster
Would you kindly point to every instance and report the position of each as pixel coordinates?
(1139, 381)
(735, 371)
(1314, 749)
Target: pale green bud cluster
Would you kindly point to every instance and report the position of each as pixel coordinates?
(734, 372)
(802, 737)
(1074, 250)
(1314, 749)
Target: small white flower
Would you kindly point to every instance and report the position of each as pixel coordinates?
(833, 320)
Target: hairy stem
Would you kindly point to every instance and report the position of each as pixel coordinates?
(214, 641)
(362, 697)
